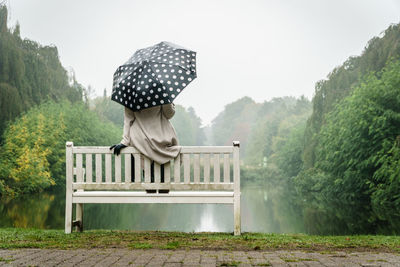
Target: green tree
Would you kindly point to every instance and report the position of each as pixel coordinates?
(30, 74)
(341, 81)
(32, 157)
(356, 153)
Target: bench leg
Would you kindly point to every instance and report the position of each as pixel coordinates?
(236, 215)
(68, 214)
(79, 217)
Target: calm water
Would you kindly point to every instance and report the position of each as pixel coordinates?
(262, 211)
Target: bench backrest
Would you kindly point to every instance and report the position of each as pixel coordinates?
(195, 168)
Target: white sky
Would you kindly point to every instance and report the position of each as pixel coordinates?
(256, 48)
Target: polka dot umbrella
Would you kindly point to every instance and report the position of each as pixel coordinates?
(154, 76)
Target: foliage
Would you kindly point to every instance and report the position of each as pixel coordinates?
(235, 123)
(275, 121)
(29, 74)
(188, 126)
(33, 154)
(355, 173)
(108, 110)
(343, 78)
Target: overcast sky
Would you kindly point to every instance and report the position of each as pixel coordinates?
(256, 48)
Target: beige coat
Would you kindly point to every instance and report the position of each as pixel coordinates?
(151, 132)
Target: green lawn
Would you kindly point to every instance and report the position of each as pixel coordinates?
(33, 238)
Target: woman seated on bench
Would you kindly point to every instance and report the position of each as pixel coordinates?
(152, 134)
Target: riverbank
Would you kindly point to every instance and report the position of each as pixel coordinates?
(11, 238)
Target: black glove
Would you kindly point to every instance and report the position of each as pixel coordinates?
(117, 148)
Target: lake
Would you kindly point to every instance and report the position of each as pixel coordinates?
(262, 210)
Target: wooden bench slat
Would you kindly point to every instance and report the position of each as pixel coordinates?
(89, 176)
(206, 161)
(206, 149)
(186, 168)
(102, 150)
(131, 150)
(147, 170)
(138, 169)
(108, 168)
(196, 168)
(167, 172)
(117, 168)
(177, 169)
(157, 173)
(128, 175)
(142, 186)
(226, 168)
(217, 170)
(79, 172)
(99, 169)
(155, 198)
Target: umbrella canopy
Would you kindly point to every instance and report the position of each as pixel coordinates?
(154, 76)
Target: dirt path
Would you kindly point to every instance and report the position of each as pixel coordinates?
(157, 257)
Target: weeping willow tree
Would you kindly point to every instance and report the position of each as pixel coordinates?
(29, 74)
(341, 81)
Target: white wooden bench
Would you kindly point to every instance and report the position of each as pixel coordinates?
(96, 175)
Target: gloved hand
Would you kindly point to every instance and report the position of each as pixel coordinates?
(117, 148)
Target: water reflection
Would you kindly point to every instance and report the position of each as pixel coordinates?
(44, 211)
(261, 211)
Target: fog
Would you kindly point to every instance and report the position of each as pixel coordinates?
(262, 49)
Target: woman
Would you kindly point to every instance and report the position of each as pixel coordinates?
(151, 133)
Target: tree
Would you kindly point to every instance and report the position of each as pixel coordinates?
(32, 157)
(357, 155)
(30, 74)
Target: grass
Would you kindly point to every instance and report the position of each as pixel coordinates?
(4, 260)
(292, 259)
(34, 238)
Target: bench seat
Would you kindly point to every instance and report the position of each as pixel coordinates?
(219, 197)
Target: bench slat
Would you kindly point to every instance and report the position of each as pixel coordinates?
(155, 198)
(89, 178)
(131, 150)
(167, 172)
(142, 193)
(177, 169)
(147, 171)
(108, 168)
(138, 169)
(186, 168)
(226, 168)
(206, 168)
(79, 172)
(143, 186)
(196, 168)
(118, 168)
(217, 170)
(128, 175)
(206, 149)
(102, 150)
(99, 171)
(157, 175)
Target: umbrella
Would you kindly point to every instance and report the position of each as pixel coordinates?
(154, 76)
